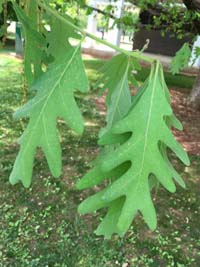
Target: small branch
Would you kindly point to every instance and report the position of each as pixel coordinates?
(101, 12)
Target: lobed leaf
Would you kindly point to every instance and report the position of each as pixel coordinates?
(54, 98)
(120, 98)
(58, 38)
(144, 158)
(181, 59)
(35, 44)
(112, 73)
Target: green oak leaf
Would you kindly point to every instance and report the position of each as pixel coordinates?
(119, 95)
(115, 78)
(54, 98)
(95, 176)
(181, 59)
(58, 37)
(112, 73)
(133, 165)
(35, 44)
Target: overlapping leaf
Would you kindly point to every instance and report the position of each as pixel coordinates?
(95, 176)
(181, 59)
(113, 72)
(35, 44)
(58, 38)
(133, 164)
(115, 79)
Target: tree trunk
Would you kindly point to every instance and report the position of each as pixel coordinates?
(194, 97)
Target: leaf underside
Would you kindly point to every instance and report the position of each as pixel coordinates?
(135, 154)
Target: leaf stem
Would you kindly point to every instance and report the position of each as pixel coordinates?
(136, 54)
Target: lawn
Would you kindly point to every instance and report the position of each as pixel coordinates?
(40, 227)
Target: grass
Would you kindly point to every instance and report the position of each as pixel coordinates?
(40, 226)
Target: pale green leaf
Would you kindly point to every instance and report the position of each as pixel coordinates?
(143, 154)
(110, 138)
(119, 93)
(58, 38)
(112, 73)
(54, 98)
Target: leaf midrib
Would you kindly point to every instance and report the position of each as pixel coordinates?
(46, 102)
(116, 106)
(147, 130)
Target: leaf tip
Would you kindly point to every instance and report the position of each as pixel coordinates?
(81, 208)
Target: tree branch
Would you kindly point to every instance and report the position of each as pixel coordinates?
(101, 12)
(156, 10)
